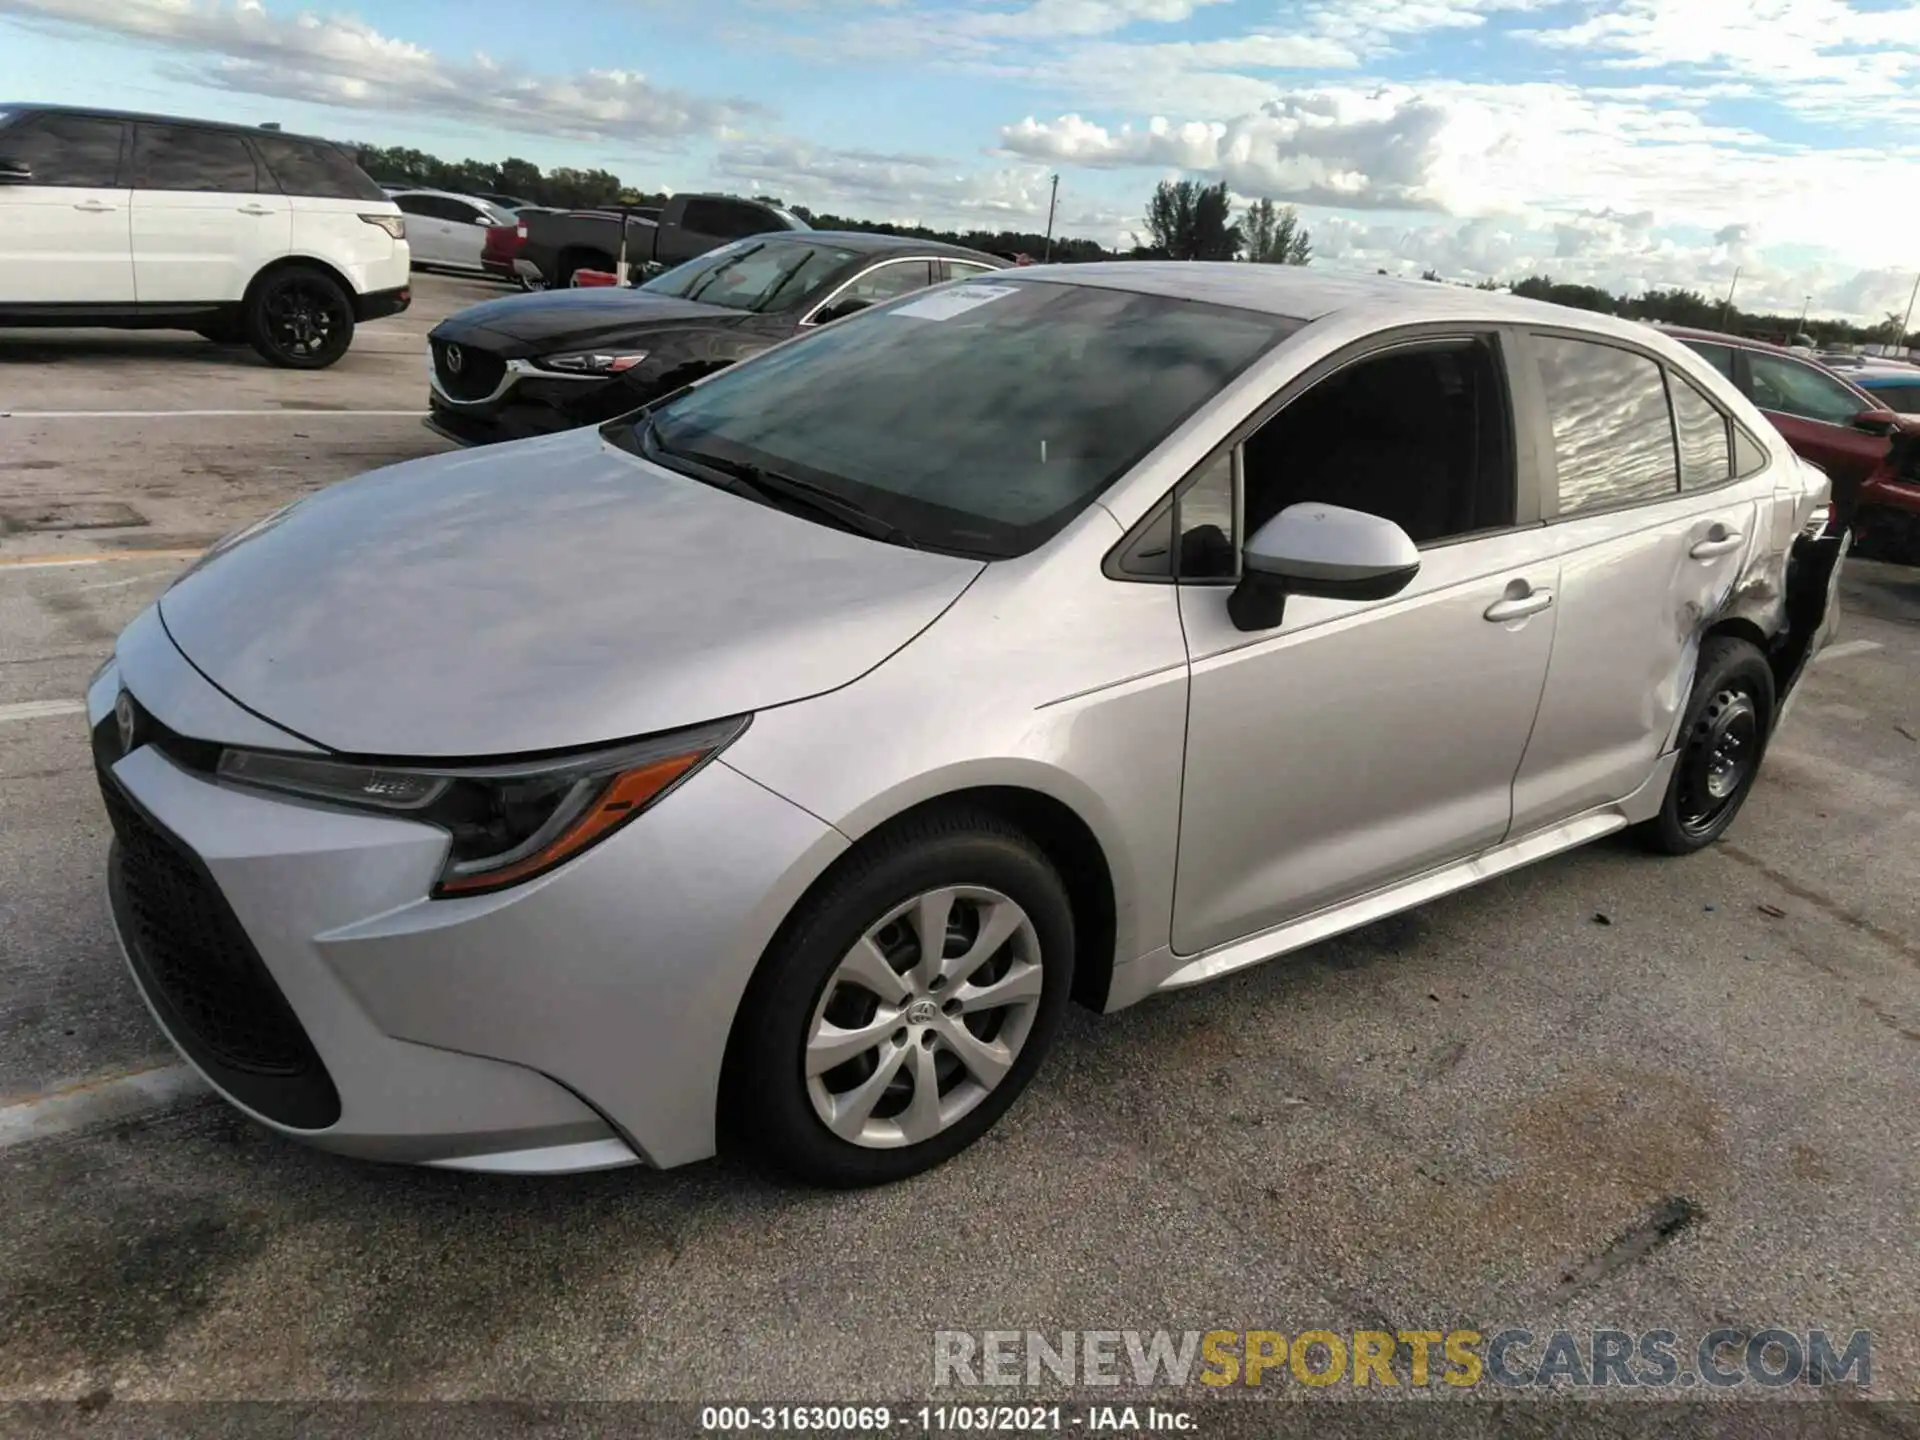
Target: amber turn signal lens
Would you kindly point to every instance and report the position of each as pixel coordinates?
(624, 796)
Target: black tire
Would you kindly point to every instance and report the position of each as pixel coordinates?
(1723, 739)
(767, 1115)
(299, 318)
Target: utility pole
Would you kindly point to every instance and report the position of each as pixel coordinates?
(1906, 325)
(1052, 201)
(1803, 315)
(1727, 309)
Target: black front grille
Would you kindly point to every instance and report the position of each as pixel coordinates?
(466, 373)
(204, 977)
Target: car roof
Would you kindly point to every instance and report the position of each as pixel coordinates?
(1305, 293)
(1886, 375)
(137, 115)
(874, 243)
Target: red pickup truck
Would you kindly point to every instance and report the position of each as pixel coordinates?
(1871, 454)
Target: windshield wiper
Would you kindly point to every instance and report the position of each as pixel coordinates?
(784, 491)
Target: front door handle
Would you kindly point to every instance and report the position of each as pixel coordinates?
(94, 207)
(1518, 607)
(1719, 541)
(256, 210)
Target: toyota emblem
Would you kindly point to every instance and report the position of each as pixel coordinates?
(127, 719)
(456, 357)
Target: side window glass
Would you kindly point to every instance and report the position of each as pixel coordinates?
(965, 269)
(1795, 389)
(1612, 432)
(72, 150)
(888, 282)
(1718, 356)
(173, 157)
(304, 168)
(1706, 453)
(1203, 519)
(1749, 458)
(1418, 435)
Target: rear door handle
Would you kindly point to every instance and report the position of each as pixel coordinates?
(256, 210)
(1518, 607)
(94, 207)
(1720, 543)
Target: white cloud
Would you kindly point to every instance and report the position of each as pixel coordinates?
(341, 60)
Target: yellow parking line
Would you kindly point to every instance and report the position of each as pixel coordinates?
(38, 562)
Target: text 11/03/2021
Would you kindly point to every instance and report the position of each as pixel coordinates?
(944, 1419)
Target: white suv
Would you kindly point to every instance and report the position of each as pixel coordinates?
(145, 222)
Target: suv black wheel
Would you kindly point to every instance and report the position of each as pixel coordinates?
(904, 1006)
(299, 318)
(1722, 739)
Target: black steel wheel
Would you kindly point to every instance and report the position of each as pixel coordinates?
(299, 318)
(1723, 738)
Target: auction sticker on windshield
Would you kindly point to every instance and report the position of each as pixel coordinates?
(946, 304)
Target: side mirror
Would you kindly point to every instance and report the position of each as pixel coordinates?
(15, 172)
(1877, 422)
(1324, 550)
(839, 310)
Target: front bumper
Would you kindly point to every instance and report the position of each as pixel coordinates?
(576, 1022)
(519, 402)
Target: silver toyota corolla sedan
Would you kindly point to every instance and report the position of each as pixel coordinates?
(772, 767)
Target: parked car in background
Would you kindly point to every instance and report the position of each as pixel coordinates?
(1896, 388)
(781, 760)
(145, 222)
(1871, 452)
(509, 203)
(561, 242)
(448, 231)
(501, 254)
(527, 365)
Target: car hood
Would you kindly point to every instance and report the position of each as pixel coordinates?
(585, 316)
(539, 596)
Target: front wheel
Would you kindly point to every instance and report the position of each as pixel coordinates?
(299, 318)
(1722, 739)
(904, 1007)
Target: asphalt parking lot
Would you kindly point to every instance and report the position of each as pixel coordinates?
(1608, 1090)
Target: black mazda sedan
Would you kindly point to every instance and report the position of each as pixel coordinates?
(532, 364)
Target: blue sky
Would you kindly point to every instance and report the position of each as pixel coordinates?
(1622, 142)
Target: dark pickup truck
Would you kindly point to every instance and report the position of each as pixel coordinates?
(559, 242)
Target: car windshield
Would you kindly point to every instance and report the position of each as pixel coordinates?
(977, 418)
(755, 274)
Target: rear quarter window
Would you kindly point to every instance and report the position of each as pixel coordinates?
(315, 170)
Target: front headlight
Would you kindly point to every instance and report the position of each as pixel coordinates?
(594, 362)
(507, 823)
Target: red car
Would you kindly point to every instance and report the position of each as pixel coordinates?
(1871, 454)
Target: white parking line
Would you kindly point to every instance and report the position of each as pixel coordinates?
(1852, 647)
(196, 414)
(36, 709)
(106, 557)
(96, 1102)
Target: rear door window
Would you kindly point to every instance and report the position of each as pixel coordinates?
(177, 157)
(1791, 388)
(1718, 356)
(1612, 430)
(74, 150)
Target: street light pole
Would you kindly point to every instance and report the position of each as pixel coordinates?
(1906, 325)
(1803, 315)
(1727, 308)
(1052, 201)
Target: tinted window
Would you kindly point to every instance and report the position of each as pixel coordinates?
(1904, 398)
(728, 219)
(979, 418)
(1706, 449)
(74, 150)
(887, 282)
(305, 167)
(1418, 436)
(1718, 356)
(758, 275)
(1612, 434)
(966, 269)
(436, 207)
(173, 157)
(1795, 389)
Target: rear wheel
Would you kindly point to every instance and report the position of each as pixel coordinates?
(299, 318)
(905, 1006)
(1722, 740)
